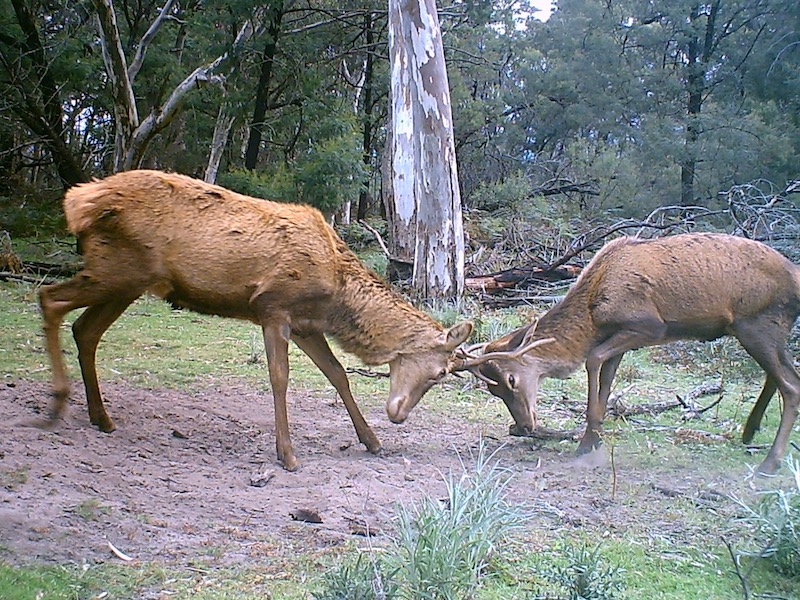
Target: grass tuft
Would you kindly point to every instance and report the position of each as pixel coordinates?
(443, 547)
(774, 521)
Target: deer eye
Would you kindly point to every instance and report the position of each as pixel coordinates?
(511, 382)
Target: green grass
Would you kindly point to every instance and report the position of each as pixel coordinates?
(93, 582)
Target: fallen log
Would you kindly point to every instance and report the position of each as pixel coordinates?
(520, 276)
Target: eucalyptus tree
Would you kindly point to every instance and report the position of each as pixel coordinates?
(424, 209)
(140, 117)
(649, 102)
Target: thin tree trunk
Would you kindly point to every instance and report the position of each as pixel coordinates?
(262, 91)
(42, 111)
(218, 141)
(132, 135)
(363, 198)
(699, 53)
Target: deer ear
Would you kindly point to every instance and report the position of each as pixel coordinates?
(530, 335)
(457, 335)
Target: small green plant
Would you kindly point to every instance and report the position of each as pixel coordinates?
(775, 524)
(14, 478)
(91, 509)
(443, 547)
(584, 576)
(364, 578)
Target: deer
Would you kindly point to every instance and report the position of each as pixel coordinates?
(281, 266)
(636, 293)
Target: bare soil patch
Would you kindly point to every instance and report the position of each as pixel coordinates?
(175, 481)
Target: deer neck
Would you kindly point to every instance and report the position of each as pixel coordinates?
(570, 323)
(373, 322)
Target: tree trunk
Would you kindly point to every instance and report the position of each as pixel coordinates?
(274, 17)
(133, 136)
(426, 210)
(218, 142)
(698, 54)
(363, 198)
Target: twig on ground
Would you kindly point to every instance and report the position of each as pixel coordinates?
(366, 372)
(742, 577)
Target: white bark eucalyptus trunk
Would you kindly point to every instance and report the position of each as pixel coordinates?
(425, 198)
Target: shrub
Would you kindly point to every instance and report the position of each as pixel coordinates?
(584, 576)
(775, 524)
(443, 547)
(365, 578)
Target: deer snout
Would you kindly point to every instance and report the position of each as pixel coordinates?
(398, 409)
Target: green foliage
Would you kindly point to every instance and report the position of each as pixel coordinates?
(508, 194)
(330, 172)
(775, 525)
(443, 547)
(584, 576)
(327, 173)
(365, 578)
(277, 184)
(27, 211)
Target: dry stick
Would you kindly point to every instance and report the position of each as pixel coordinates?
(378, 237)
(742, 577)
(366, 372)
(613, 471)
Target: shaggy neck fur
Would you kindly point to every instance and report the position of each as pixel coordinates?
(373, 322)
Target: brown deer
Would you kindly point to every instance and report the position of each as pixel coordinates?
(211, 250)
(637, 293)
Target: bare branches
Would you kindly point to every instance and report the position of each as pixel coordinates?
(146, 40)
(757, 210)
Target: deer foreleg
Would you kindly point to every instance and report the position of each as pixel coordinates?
(87, 331)
(317, 348)
(601, 366)
(276, 344)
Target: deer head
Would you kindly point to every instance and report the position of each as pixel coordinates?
(412, 374)
(511, 372)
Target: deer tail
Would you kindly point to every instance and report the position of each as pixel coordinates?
(85, 204)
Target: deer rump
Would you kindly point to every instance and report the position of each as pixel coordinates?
(637, 293)
(211, 250)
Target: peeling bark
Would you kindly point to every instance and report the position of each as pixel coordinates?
(426, 204)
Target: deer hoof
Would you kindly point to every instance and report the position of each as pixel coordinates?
(520, 430)
(104, 424)
(373, 446)
(588, 446)
(290, 463)
(767, 467)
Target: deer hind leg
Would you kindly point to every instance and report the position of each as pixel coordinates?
(753, 423)
(317, 348)
(763, 340)
(87, 331)
(601, 366)
(276, 344)
(55, 302)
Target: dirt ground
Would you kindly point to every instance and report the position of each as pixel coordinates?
(192, 476)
